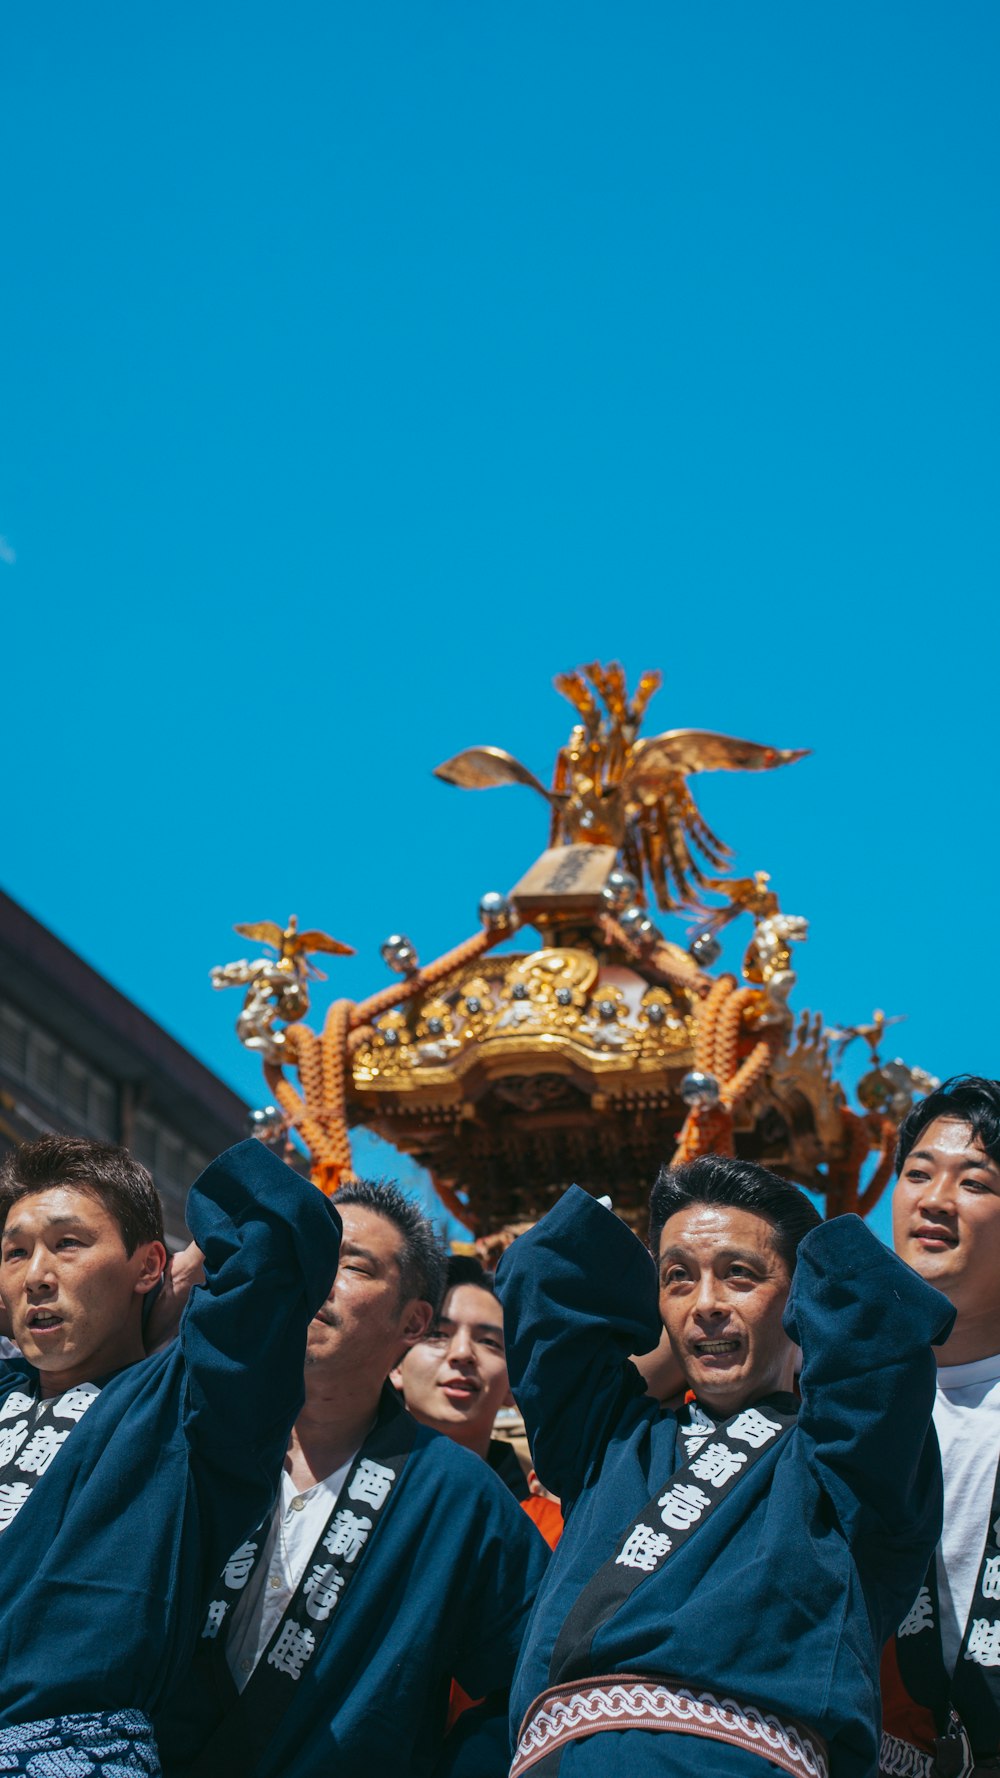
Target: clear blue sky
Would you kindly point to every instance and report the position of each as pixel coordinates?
(363, 366)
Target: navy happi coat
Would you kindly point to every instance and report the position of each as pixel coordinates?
(785, 1595)
(443, 1591)
(103, 1572)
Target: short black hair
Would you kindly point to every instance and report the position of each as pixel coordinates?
(465, 1268)
(423, 1260)
(102, 1169)
(966, 1098)
(742, 1185)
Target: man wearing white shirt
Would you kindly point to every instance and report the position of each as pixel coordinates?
(394, 1561)
(941, 1672)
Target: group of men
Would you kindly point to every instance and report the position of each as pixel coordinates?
(254, 1520)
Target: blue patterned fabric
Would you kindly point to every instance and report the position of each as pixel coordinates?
(100, 1744)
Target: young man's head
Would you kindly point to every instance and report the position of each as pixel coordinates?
(455, 1378)
(946, 1205)
(81, 1245)
(386, 1292)
(725, 1234)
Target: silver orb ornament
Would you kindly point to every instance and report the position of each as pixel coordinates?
(705, 949)
(700, 1091)
(495, 911)
(399, 954)
(620, 890)
(637, 925)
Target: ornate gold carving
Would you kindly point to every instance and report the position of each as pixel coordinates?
(611, 789)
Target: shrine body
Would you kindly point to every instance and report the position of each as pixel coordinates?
(802, 1568)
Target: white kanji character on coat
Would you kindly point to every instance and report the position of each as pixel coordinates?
(682, 1505)
(292, 1649)
(12, 1497)
(16, 1403)
(213, 1622)
(754, 1428)
(237, 1569)
(322, 1591)
(716, 1464)
(347, 1535)
(644, 1548)
(991, 1578)
(44, 1444)
(920, 1615)
(984, 1643)
(372, 1483)
(74, 1404)
(11, 1439)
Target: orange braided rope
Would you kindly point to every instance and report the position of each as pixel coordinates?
(883, 1171)
(728, 1031)
(708, 1129)
(844, 1175)
(708, 1019)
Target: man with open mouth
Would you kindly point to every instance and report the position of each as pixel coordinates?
(729, 1572)
(125, 1478)
(941, 1672)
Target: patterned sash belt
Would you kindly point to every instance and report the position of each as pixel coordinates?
(632, 1701)
(900, 1759)
(102, 1743)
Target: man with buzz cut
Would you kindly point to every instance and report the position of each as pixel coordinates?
(941, 1672)
(729, 1572)
(393, 1562)
(125, 1479)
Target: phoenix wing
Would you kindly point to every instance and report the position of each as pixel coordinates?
(689, 750)
(263, 932)
(482, 768)
(320, 941)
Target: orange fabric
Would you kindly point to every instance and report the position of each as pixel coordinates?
(546, 1515)
(900, 1715)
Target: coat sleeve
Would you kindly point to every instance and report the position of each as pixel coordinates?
(866, 1324)
(271, 1242)
(579, 1296)
(511, 1559)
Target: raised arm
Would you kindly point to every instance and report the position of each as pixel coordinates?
(579, 1296)
(270, 1242)
(866, 1325)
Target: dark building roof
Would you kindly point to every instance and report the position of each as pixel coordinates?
(77, 1055)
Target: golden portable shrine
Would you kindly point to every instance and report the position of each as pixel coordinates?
(508, 1074)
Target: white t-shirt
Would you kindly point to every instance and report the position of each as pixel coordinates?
(967, 1420)
(296, 1528)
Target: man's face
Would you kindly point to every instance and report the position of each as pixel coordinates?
(946, 1216)
(364, 1323)
(71, 1290)
(723, 1289)
(455, 1378)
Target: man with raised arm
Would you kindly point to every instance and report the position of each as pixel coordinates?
(393, 1563)
(126, 1479)
(728, 1573)
(941, 1672)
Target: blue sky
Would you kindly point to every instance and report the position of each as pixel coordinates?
(362, 367)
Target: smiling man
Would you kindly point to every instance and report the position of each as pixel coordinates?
(941, 1675)
(455, 1378)
(728, 1573)
(393, 1562)
(123, 1479)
